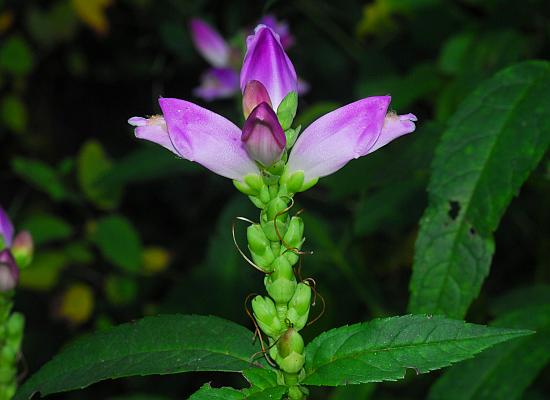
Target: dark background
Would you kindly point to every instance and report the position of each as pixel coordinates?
(73, 72)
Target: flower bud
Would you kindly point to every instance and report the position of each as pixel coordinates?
(268, 227)
(294, 237)
(23, 249)
(263, 137)
(290, 348)
(254, 94)
(6, 230)
(276, 206)
(260, 247)
(298, 308)
(281, 283)
(266, 316)
(9, 273)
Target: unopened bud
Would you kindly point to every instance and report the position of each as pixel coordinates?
(254, 94)
(263, 137)
(9, 273)
(275, 207)
(290, 348)
(298, 308)
(23, 249)
(294, 238)
(266, 316)
(281, 283)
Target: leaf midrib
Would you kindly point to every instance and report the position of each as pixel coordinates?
(357, 354)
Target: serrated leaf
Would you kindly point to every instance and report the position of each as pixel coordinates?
(383, 349)
(119, 242)
(493, 142)
(165, 344)
(207, 392)
(261, 377)
(505, 371)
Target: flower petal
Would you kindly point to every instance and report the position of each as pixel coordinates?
(263, 135)
(266, 61)
(153, 129)
(208, 138)
(217, 83)
(280, 28)
(6, 228)
(349, 132)
(209, 43)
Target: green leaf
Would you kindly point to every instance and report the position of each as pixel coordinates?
(353, 392)
(15, 56)
(383, 349)
(493, 142)
(207, 392)
(505, 371)
(287, 110)
(93, 164)
(119, 242)
(46, 228)
(14, 113)
(165, 344)
(42, 176)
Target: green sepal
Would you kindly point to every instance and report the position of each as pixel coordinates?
(260, 247)
(309, 184)
(281, 283)
(287, 110)
(291, 136)
(266, 316)
(295, 181)
(264, 195)
(244, 188)
(257, 202)
(254, 181)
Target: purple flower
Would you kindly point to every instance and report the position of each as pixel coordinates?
(324, 147)
(209, 43)
(280, 28)
(349, 132)
(217, 83)
(9, 273)
(153, 129)
(263, 135)
(6, 228)
(266, 61)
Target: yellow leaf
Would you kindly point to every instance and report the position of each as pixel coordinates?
(92, 13)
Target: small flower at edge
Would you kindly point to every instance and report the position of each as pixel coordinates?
(9, 273)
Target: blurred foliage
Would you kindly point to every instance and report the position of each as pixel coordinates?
(125, 229)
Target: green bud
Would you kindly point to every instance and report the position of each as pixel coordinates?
(8, 355)
(269, 227)
(290, 349)
(309, 184)
(298, 308)
(281, 283)
(254, 181)
(276, 206)
(295, 182)
(266, 316)
(295, 233)
(287, 110)
(23, 249)
(257, 241)
(296, 393)
(244, 188)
